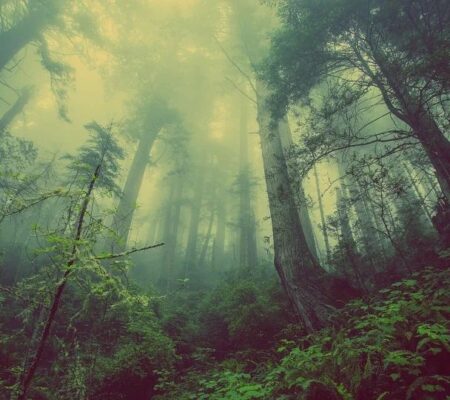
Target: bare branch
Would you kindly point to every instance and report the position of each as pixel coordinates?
(240, 90)
(128, 252)
(235, 64)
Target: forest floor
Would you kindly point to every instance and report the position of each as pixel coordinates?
(392, 345)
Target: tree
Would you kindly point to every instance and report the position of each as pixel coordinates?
(95, 169)
(247, 243)
(37, 16)
(296, 266)
(297, 184)
(397, 47)
(299, 272)
(151, 116)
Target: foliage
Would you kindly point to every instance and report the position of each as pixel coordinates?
(105, 332)
(393, 345)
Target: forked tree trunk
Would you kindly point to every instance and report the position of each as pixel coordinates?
(296, 266)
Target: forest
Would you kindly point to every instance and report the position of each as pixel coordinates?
(224, 199)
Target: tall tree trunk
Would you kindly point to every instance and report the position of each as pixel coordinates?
(167, 233)
(25, 31)
(219, 240)
(297, 187)
(252, 249)
(196, 205)
(247, 250)
(16, 108)
(347, 240)
(419, 195)
(364, 219)
(202, 258)
(124, 215)
(153, 231)
(296, 266)
(322, 215)
(175, 225)
(435, 144)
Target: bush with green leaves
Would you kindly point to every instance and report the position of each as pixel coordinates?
(243, 313)
(100, 338)
(394, 345)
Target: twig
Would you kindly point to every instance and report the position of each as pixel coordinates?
(235, 65)
(240, 90)
(128, 252)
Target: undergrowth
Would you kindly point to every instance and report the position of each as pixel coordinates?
(394, 345)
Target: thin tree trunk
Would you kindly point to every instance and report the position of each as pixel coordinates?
(347, 240)
(172, 236)
(202, 258)
(418, 193)
(59, 289)
(252, 249)
(191, 248)
(247, 250)
(219, 240)
(124, 215)
(167, 233)
(322, 215)
(365, 226)
(296, 266)
(153, 231)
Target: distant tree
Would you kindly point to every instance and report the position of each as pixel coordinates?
(151, 115)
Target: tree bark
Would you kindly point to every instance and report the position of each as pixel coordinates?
(124, 215)
(436, 146)
(297, 187)
(322, 215)
(296, 266)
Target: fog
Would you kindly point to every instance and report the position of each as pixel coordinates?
(159, 154)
